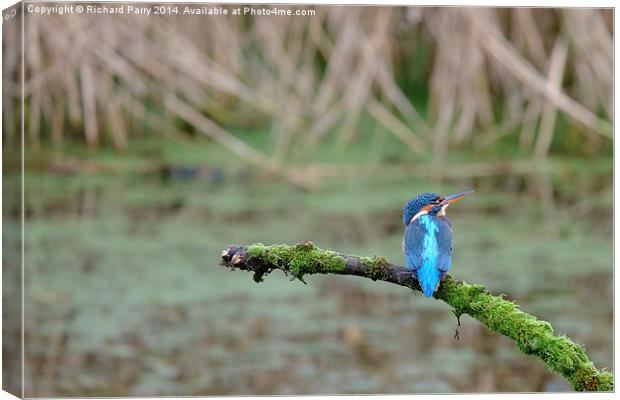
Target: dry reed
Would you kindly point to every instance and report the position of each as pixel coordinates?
(494, 72)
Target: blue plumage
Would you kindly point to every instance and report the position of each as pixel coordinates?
(427, 242)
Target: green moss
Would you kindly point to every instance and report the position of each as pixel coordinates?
(588, 378)
(255, 250)
(308, 259)
(462, 296)
(301, 259)
(377, 268)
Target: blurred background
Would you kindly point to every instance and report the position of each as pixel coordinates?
(154, 142)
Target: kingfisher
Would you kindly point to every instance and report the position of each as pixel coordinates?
(427, 243)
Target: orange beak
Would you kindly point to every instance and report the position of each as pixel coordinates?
(453, 198)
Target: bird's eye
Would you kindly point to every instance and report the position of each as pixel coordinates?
(437, 200)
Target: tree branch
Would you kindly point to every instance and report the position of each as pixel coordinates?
(531, 335)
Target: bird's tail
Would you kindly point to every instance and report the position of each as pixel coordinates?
(428, 278)
(428, 290)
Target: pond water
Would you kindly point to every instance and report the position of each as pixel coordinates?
(124, 294)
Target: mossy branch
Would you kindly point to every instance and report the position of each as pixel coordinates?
(533, 336)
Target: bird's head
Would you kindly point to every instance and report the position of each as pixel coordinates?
(430, 203)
